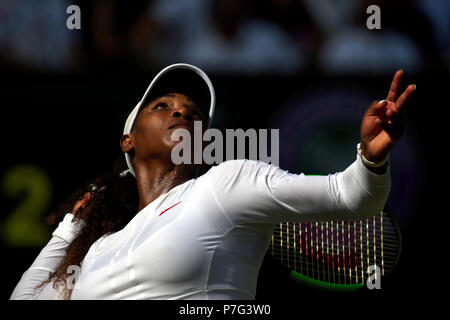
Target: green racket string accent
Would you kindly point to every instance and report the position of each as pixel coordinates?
(324, 285)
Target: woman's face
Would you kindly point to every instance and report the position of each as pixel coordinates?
(155, 123)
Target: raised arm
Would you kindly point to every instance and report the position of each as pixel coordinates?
(255, 192)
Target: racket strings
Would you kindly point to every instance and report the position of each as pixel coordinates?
(337, 251)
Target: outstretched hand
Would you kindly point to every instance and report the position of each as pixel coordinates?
(382, 124)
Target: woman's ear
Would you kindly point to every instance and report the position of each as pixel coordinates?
(127, 142)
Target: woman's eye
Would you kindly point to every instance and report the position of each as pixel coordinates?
(160, 105)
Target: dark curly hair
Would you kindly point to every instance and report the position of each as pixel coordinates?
(114, 204)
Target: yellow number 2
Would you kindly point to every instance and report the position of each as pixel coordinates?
(31, 187)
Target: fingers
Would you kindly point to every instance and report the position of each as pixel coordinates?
(376, 108)
(392, 113)
(391, 122)
(394, 109)
(396, 102)
(404, 97)
(394, 130)
(395, 86)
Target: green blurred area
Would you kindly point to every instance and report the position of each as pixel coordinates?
(30, 190)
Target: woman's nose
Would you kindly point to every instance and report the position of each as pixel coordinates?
(183, 112)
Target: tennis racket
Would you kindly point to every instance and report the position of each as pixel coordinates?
(335, 255)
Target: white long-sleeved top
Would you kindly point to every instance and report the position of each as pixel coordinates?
(206, 238)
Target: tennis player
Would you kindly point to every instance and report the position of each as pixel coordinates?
(163, 231)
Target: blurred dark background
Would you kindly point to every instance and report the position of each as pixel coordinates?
(307, 67)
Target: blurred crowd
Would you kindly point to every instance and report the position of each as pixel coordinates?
(226, 36)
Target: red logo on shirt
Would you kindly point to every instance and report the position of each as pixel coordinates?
(169, 208)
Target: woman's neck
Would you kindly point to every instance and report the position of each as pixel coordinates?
(158, 177)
